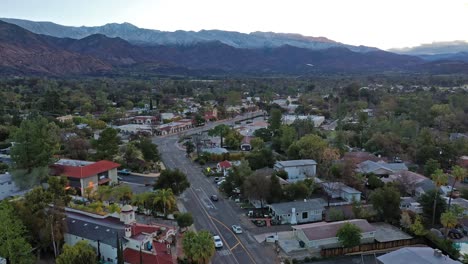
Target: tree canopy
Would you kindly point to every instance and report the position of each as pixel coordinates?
(349, 235)
(172, 179)
(80, 253)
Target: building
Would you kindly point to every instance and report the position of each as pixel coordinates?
(297, 170)
(174, 127)
(135, 129)
(416, 255)
(63, 119)
(317, 120)
(86, 174)
(8, 187)
(415, 184)
(145, 120)
(381, 169)
(245, 144)
(340, 190)
(298, 211)
(410, 204)
(101, 232)
(323, 234)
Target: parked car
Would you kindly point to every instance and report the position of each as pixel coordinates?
(217, 241)
(218, 179)
(220, 182)
(124, 172)
(271, 239)
(237, 229)
(214, 198)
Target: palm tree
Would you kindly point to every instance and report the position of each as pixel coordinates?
(439, 178)
(206, 245)
(165, 198)
(448, 220)
(458, 174)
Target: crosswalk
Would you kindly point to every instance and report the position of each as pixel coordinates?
(224, 252)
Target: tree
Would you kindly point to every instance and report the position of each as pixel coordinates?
(439, 178)
(349, 235)
(311, 147)
(263, 133)
(257, 143)
(107, 146)
(173, 179)
(458, 173)
(166, 200)
(80, 253)
(13, 243)
(233, 139)
(431, 166)
(386, 201)
(288, 136)
(221, 131)
(257, 186)
(189, 147)
(184, 220)
(261, 158)
(36, 141)
(374, 182)
(417, 227)
(405, 220)
(276, 191)
(148, 149)
(296, 191)
(77, 148)
(335, 215)
(448, 220)
(427, 202)
(275, 119)
(198, 247)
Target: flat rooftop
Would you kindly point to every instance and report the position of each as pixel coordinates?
(385, 233)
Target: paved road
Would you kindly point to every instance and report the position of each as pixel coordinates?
(216, 217)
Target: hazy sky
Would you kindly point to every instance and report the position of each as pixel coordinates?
(379, 23)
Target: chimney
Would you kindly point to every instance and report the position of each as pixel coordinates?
(437, 253)
(128, 231)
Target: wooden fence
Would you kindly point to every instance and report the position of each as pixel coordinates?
(332, 252)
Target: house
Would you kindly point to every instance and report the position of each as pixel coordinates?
(381, 169)
(323, 234)
(298, 211)
(224, 167)
(167, 116)
(135, 129)
(215, 150)
(410, 204)
(340, 190)
(317, 120)
(8, 187)
(211, 115)
(101, 232)
(174, 127)
(86, 174)
(414, 183)
(297, 170)
(416, 255)
(145, 120)
(63, 119)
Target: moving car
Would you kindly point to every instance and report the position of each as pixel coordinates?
(217, 241)
(237, 229)
(214, 198)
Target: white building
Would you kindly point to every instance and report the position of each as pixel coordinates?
(340, 190)
(298, 211)
(297, 170)
(317, 120)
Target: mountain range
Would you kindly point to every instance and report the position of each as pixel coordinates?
(450, 50)
(25, 52)
(141, 36)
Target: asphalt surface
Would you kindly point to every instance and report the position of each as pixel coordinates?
(216, 217)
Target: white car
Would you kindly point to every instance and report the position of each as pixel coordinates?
(217, 241)
(237, 229)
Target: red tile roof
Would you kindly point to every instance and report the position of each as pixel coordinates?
(140, 228)
(87, 171)
(225, 164)
(133, 257)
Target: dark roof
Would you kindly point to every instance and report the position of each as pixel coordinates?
(300, 206)
(105, 230)
(295, 163)
(415, 255)
(324, 230)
